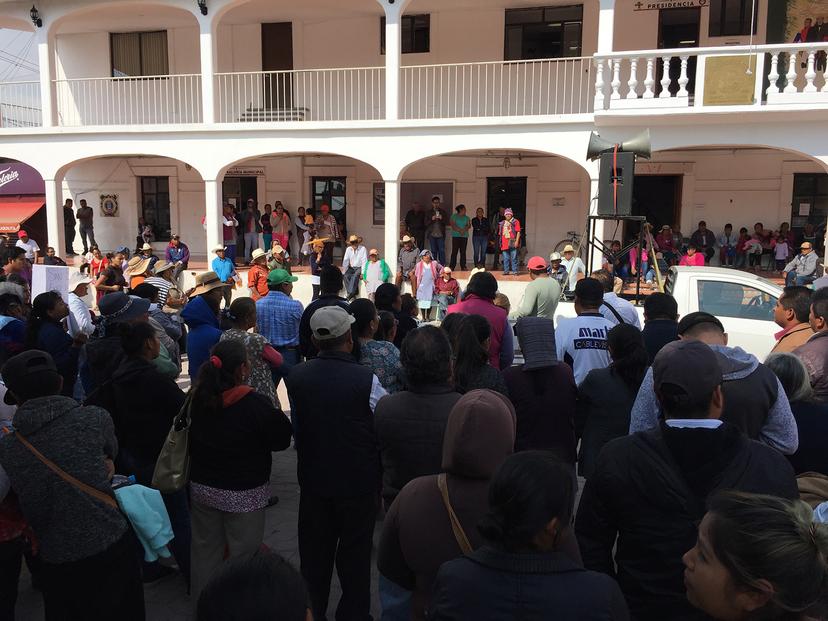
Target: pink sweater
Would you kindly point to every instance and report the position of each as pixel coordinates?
(696, 260)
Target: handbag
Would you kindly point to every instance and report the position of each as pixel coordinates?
(456, 527)
(87, 489)
(172, 469)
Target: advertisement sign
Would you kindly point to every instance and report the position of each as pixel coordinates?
(17, 178)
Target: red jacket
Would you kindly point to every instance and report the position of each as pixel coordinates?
(474, 305)
(257, 281)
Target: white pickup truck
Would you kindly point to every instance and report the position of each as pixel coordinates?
(743, 302)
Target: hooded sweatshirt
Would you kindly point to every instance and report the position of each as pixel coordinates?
(417, 536)
(203, 332)
(69, 524)
(754, 401)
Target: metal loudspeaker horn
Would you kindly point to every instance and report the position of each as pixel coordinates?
(639, 145)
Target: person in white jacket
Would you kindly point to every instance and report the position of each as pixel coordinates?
(80, 317)
(356, 256)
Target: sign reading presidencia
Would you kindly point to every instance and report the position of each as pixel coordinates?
(656, 5)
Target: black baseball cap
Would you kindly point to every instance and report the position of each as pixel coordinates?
(690, 365)
(694, 319)
(28, 374)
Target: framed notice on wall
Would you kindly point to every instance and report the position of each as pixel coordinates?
(379, 204)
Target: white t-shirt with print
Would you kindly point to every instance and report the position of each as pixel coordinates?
(30, 247)
(582, 343)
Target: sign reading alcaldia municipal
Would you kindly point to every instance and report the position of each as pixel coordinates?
(657, 5)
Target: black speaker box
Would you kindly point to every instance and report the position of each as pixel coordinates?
(611, 201)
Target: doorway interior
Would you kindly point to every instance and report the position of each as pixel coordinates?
(657, 198)
(678, 28)
(236, 190)
(277, 55)
(507, 192)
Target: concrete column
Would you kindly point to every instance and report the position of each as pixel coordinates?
(393, 52)
(213, 209)
(54, 217)
(208, 68)
(606, 25)
(45, 59)
(392, 223)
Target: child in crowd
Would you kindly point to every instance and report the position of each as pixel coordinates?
(692, 258)
(408, 306)
(662, 268)
(741, 255)
(781, 252)
(727, 246)
(502, 300)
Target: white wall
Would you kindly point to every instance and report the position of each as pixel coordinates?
(119, 176)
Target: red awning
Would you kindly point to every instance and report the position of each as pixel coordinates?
(15, 211)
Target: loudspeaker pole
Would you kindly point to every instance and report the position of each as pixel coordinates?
(593, 243)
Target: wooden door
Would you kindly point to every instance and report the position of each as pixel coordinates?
(277, 55)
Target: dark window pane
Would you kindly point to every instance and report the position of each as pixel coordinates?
(163, 184)
(563, 13)
(572, 40)
(149, 184)
(545, 32)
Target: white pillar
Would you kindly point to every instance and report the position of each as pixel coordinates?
(392, 223)
(54, 217)
(213, 209)
(45, 59)
(600, 226)
(393, 51)
(208, 68)
(606, 25)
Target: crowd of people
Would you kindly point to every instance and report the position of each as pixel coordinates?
(705, 469)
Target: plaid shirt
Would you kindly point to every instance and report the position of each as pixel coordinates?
(278, 319)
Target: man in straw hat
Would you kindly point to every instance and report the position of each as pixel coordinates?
(146, 253)
(226, 271)
(170, 297)
(406, 262)
(257, 276)
(356, 256)
(574, 266)
(202, 318)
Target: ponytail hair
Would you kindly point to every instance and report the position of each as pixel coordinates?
(469, 353)
(239, 310)
(134, 336)
(765, 539)
(39, 315)
(527, 492)
(629, 354)
(387, 325)
(217, 375)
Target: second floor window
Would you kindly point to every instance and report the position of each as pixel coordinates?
(731, 18)
(415, 32)
(543, 32)
(137, 54)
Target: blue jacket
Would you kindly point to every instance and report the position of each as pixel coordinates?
(203, 333)
(52, 338)
(223, 268)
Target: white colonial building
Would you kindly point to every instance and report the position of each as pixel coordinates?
(175, 106)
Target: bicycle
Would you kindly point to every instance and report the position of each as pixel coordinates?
(574, 239)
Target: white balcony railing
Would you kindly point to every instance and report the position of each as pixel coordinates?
(148, 100)
(20, 104)
(356, 94)
(762, 75)
(492, 89)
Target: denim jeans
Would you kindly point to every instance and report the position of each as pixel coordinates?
(230, 253)
(443, 302)
(290, 358)
(791, 279)
(251, 242)
(395, 601)
(479, 243)
(510, 260)
(87, 234)
(438, 249)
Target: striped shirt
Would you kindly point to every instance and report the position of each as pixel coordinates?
(163, 287)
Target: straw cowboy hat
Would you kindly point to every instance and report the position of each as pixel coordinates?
(319, 242)
(162, 266)
(568, 248)
(137, 266)
(354, 239)
(258, 253)
(407, 239)
(207, 281)
(146, 246)
(219, 248)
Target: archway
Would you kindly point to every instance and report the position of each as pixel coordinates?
(549, 194)
(166, 194)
